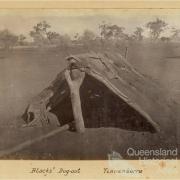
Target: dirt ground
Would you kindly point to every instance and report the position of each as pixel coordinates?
(24, 73)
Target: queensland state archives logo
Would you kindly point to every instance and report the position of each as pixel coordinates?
(153, 153)
(114, 156)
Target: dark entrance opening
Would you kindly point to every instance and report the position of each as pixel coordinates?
(102, 108)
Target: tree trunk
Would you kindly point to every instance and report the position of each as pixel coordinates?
(77, 111)
(75, 79)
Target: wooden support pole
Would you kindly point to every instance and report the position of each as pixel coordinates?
(74, 79)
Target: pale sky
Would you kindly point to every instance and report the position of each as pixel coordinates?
(76, 21)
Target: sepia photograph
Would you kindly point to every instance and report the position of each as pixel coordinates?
(89, 84)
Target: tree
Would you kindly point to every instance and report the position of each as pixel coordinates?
(62, 41)
(113, 36)
(175, 33)
(7, 39)
(76, 36)
(165, 39)
(88, 38)
(137, 35)
(104, 30)
(156, 28)
(88, 35)
(53, 37)
(21, 40)
(40, 33)
(115, 32)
